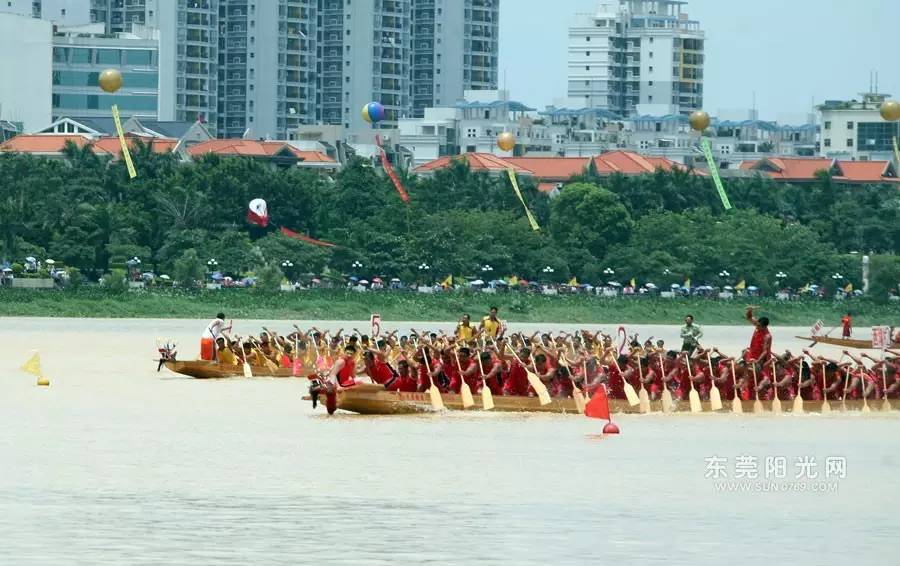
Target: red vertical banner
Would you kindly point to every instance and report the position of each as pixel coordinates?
(389, 169)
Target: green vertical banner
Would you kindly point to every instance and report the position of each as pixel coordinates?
(714, 171)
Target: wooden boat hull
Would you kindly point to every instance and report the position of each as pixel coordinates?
(374, 400)
(201, 369)
(844, 342)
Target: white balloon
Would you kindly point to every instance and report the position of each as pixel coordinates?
(258, 206)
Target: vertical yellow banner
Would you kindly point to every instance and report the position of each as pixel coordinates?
(125, 153)
(515, 185)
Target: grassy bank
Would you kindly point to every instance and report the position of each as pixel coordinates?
(341, 305)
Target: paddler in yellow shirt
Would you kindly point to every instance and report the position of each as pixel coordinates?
(225, 356)
(465, 332)
(491, 325)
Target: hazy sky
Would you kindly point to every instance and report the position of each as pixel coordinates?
(788, 51)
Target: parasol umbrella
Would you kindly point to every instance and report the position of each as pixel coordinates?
(395, 280)
(377, 280)
(476, 283)
(363, 282)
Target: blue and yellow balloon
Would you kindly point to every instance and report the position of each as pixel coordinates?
(373, 112)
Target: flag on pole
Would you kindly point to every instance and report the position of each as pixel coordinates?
(125, 153)
(598, 406)
(633, 283)
(848, 288)
(741, 285)
(687, 283)
(573, 282)
(513, 281)
(448, 282)
(515, 186)
(714, 171)
(33, 365)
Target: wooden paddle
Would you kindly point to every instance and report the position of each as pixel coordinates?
(667, 403)
(862, 387)
(534, 380)
(487, 398)
(433, 392)
(248, 371)
(643, 395)
(270, 365)
(464, 390)
(694, 395)
(630, 393)
(798, 398)
(757, 404)
(826, 406)
(846, 385)
(737, 405)
(885, 405)
(577, 395)
(776, 402)
(715, 398)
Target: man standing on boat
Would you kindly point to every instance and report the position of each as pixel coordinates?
(847, 325)
(210, 334)
(690, 335)
(761, 343)
(491, 325)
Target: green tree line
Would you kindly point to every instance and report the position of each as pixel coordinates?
(661, 227)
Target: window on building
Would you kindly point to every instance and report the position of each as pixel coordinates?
(587, 67)
(588, 38)
(138, 57)
(650, 83)
(828, 125)
(827, 142)
(650, 98)
(651, 55)
(82, 56)
(651, 68)
(849, 142)
(109, 57)
(587, 53)
(849, 125)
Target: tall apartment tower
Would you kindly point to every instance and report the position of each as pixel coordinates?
(364, 56)
(454, 49)
(188, 51)
(267, 67)
(637, 52)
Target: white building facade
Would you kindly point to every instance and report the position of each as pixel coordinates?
(25, 88)
(636, 52)
(856, 131)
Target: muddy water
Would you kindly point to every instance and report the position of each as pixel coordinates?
(117, 464)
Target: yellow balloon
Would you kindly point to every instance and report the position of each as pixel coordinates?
(110, 80)
(506, 141)
(890, 110)
(699, 120)
(365, 114)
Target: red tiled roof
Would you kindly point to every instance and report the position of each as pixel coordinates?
(25, 143)
(792, 168)
(629, 163)
(112, 146)
(865, 172)
(255, 148)
(55, 143)
(476, 161)
(556, 168)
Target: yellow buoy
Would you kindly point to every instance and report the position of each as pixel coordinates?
(699, 120)
(890, 110)
(43, 381)
(110, 80)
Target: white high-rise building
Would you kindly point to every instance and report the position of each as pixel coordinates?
(455, 48)
(27, 69)
(57, 12)
(635, 52)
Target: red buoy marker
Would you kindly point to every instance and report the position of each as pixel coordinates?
(598, 408)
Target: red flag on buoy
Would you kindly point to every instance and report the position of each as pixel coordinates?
(598, 406)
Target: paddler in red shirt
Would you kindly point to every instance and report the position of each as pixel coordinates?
(761, 343)
(343, 372)
(404, 381)
(491, 373)
(516, 383)
(377, 368)
(847, 324)
(466, 369)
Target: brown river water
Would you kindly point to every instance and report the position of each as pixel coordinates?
(115, 463)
